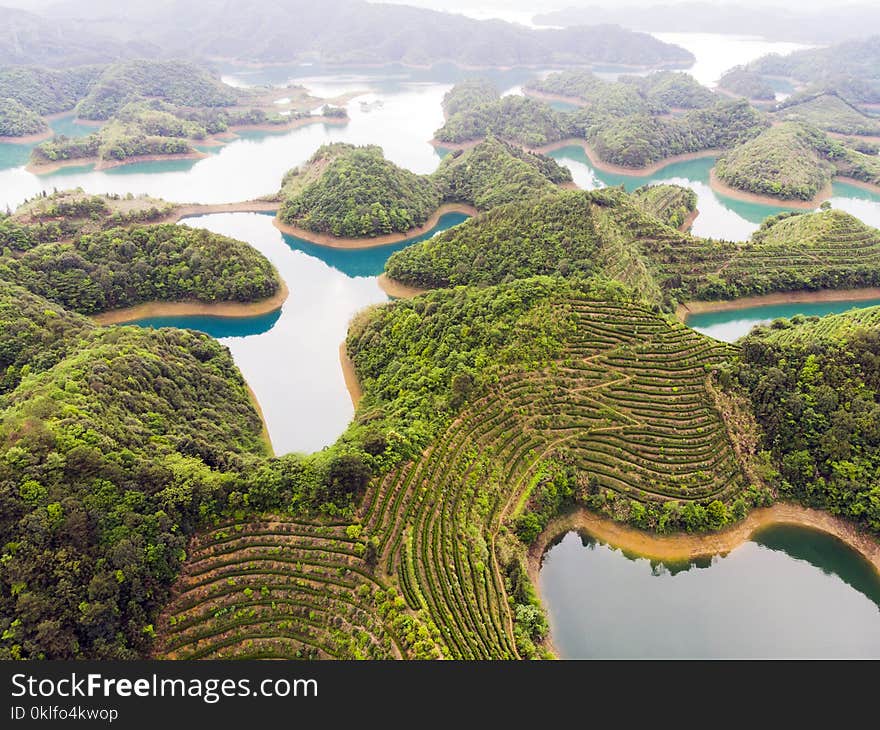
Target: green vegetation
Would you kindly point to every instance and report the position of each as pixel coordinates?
(531, 395)
(518, 119)
(815, 388)
(49, 218)
(115, 142)
(671, 204)
(494, 173)
(852, 67)
(625, 125)
(793, 161)
(609, 233)
(354, 191)
(351, 191)
(638, 141)
(17, 121)
(121, 267)
(830, 113)
(176, 82)
(467, 95)
(751, 85)
(47, 91)
(656, 93)
(783, 162)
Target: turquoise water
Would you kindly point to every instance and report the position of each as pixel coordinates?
(730, 326)
(788, 592)
(720, 216)
(290, 358)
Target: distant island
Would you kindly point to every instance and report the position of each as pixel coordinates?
(801, 24)
(145, 110)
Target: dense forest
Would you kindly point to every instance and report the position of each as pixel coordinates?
(627, 122)
(494, 173)
(47, 91)
(793, 161)
(518, 119)
(353, 191)
(815, 389)
(121, 267)
(751, 85)
(19, 121)
(617, 236)
(176, 82)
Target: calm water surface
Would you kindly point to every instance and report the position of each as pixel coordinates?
(290, 358)
(730, 326)
(788, 592)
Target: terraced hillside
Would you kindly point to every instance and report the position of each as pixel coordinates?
(610, 233)
(624, 421)
(672, 204)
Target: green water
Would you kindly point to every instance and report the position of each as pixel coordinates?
(290, 358)
(788, 592)
(730, 326)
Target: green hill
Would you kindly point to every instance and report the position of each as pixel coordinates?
(748, 84)
(793, 161)
(353, 191)
(815, 389)
(18, 121)
(494, 173)
(176, 82)
(784, 162)
(518, 119)
(610, 234)
(121, 267)
(829, 112)
(47, 91)
(467, 95)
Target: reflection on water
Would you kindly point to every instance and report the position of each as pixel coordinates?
(290, 358)
(789, 592)
(731, 325)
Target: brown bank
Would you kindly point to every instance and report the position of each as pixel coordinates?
(195, 308)
(326, 239)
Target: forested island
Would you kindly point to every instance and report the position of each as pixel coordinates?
(628, 124)
(346, 193)
(851, 68)
(147, 109)
(795, 162)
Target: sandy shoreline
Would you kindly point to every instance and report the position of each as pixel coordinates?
(195, 308)
(729, 192)
(688, 222)
(398, 290)
(264, 433)
(28, 139)
(352, 384)
(49, 167)
(325, 239)
(196, 209)
(216, 140)
(824, 295)
(599, 164)
(686, 547)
